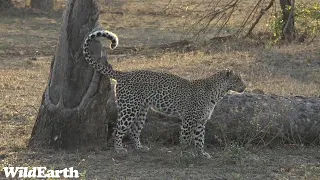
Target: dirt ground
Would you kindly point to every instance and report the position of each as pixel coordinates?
(289, 162)
(27, 43)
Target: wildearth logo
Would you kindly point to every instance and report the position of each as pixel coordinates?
(39, 172)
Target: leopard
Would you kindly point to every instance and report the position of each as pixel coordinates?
(138, 91)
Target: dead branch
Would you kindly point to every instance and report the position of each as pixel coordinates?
(262, 12)
(206, 20)
(248, 17)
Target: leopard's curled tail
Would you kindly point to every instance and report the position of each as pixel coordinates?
(105, 70)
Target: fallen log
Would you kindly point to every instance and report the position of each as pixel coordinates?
(267, 118)
(246, 118)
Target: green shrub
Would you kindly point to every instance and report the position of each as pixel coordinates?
(307, 21)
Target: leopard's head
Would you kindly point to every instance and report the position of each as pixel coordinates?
(236, 83)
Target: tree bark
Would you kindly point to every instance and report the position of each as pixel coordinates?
(247, 118)
(72, 112)
(288, 30)
(45, 5)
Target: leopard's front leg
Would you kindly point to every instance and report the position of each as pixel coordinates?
(199, 132)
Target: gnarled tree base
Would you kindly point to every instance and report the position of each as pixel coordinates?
(73, 108)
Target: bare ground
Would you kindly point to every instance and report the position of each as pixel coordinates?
(28, 41)
(289, 162)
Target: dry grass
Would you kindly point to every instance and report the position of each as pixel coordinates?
(28, 41)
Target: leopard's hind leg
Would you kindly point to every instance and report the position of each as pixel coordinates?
(186, 134)
(127, 113)
(137, 127)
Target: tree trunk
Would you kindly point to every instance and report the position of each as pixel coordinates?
(72, 112)
(45, 5)
(247, 118)
(288, 29)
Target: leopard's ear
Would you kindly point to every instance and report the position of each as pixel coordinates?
(230, 72)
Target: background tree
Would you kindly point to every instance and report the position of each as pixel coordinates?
(288, 29)
(72, 111)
